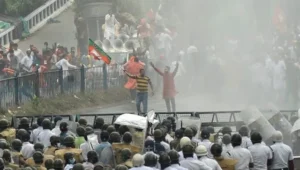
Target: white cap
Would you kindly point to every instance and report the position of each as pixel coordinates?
(277, 136)
(201, 150)
(185, 141)
(137, 160)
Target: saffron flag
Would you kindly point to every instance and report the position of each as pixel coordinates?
(98, 53)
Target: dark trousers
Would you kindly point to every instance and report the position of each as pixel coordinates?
(169, 102)
(142, 98)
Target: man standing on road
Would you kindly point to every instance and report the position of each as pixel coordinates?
(142, 90)
(169, 90)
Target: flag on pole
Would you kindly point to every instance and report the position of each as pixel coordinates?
(97, 52)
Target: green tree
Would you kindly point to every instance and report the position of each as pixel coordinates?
(22, 8)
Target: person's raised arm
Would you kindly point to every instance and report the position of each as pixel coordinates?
(156, 69)
(70, 65)
(130, 76)
(176, 69)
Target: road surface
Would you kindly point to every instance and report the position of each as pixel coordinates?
(62, 33)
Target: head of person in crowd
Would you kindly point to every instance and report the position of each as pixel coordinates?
(210, 129)
(89, 130)
(63, 127)
(216, 150)
(126, 154)
(205, 134)
(20, 133)
(188, 132)
(201, 151)
(142, 72)
(6, 156)
(277, 137)
(82, 122)
(185, 141)
(78, 166)
(127, 138)
(49, 164)
(99, 167)
(150, 160)
(226, 140)
(121, 167)
(104, 136)
(164, 160)
(158, 136)
(236, 140)
(3, 144)
(123, 129)
(226, 130)
(69, 158)
(168, 124)
(179, 134)
(39, 147)
(111, 129)
(256, 137)
(92, 157)
(25, 136)
(4, 124)
(69, 142)
(99, 122)
(16, 145)
(194, 128)
(114, 137)
(24, 123)
(244, 131)
(46, 124)
(34, 126)
(137, 160)
(188, 151)
(58, 164)
(80, 130)
(149, 146)
(40, 121)
(38, 158)
(105, 126)
(174, 157)
(28, 52)
(54, 140)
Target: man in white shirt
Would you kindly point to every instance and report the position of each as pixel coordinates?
(189, 162)
(244, 157)
(226, 144)
(202, 153)
(27, 61)
(206, 142)
(65, 65)
(35, 133)
(283, 155)
(45, 135)
(262, 154)
(27, 148)
(185, 141)
(17, 52)
(244, 132)
(174, 157)
(138, 163)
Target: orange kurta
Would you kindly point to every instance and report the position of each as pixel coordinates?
(133, 68)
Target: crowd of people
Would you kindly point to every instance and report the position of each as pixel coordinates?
(56, 145)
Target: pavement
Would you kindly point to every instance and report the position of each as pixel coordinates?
(62, 33)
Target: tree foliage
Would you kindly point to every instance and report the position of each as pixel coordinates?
(20, 8)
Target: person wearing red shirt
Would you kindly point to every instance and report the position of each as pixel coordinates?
(169, 90)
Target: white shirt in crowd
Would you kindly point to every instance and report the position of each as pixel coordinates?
(65, 65)
(56, 130)
(176, 167)
(226, 148)
(44, 137)
(211, 163)
(166, 146)
(27, 150)
(88, 166)
(27, 62)
(18, 53)
(86, 147)
(35, 133)
(181, 157)
(246, 142)
(282, 155)
(141, 168)
(243, 156)
(260, 153)
(69, 167)
(192, 164)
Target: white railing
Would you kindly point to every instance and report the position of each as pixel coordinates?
(38, 18)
